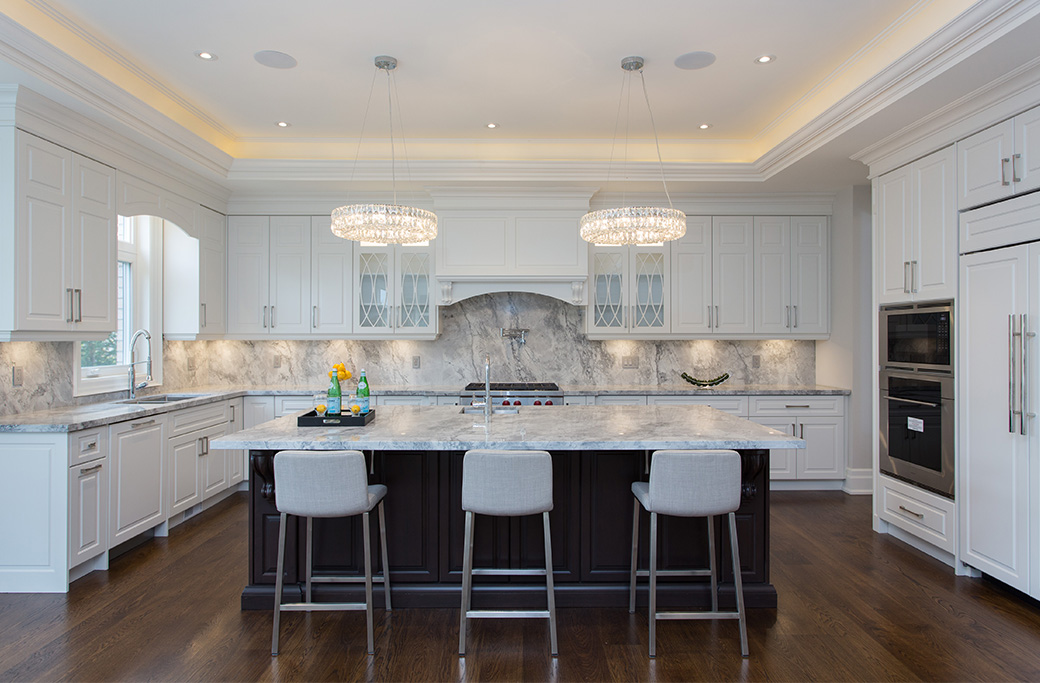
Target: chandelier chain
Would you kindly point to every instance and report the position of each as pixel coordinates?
(657, 142)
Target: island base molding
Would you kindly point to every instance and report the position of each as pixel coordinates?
(591, 535)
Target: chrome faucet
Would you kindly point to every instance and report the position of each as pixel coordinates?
(132, 370)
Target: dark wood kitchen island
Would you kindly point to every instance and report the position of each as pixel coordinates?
(598, 451)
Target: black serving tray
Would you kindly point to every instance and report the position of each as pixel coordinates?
(312, 419)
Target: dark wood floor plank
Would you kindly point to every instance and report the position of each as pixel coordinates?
(853, 605)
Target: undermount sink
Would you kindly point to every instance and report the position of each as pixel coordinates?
(495, 410)
(160, 398)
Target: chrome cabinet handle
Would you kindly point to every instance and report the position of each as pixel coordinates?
(199, 452)
(1024, 379)
(91, 470)
(79, 305)
(911, 512)
(205, 441)
(265, 316)
(72, 306)
(805, 407)
(906, 277)
(89, 447)
(204, 322)
(788, 311)
(718, 320)
(1003, 176)
(709, 317)
(795, 309)
(1011, 376)
(272, 317)
(232, 407)
(138, 425)
(314, 317)
(1014, 168)
(910, 400)
(794, 428)
(801, 430)
(915, 276)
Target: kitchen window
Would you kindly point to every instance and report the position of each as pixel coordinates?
(101, 366)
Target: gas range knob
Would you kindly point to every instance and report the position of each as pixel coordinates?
(548, 403)
(516, 403)
(537, 403)
(505, 403)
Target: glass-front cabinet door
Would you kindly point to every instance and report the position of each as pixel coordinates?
(648, 290)
(373, 268)
(609, 295)
(414, 294)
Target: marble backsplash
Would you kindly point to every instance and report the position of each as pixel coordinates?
(556, 350)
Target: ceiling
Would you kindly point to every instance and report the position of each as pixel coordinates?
(547, 72)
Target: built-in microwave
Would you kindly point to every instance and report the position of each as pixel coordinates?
(917, 336)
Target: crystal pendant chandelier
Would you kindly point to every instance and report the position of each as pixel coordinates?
(634, 224)
(384, 223)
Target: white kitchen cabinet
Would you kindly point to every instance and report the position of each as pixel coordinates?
(194, 278)
(88, 510)
(268, 272)
(403, 400)
(393, 292)
(998, 489)
(922, 513)
(137, 477)
(732, 275)
(61, 244)
(734, 405)
(916, 231)
(184, 458)
(332, 280)
(792, 276)
(236, 459)
(283, 405)
(620, 400)
(629, 292)
(691, 279)
(1000, 161)
(819, 420)
(257, 410)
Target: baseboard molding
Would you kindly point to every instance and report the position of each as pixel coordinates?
(859, 481)
(805, 484)
(924, 546)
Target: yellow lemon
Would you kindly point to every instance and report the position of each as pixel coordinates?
(342, 375)
(320, 407)
(346, 374)
(355, 409)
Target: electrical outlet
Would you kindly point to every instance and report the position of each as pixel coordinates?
(629, 362)
(756, 361)
(416, 362)
(17, 376)
(191, 364)
(277, 362)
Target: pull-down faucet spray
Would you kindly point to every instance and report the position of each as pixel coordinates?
(132, 370)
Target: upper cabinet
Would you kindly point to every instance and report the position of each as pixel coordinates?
(1000, 161)
(792, 275)
(393, 291)
(629, 292)
(917, 231)
(194, 278)
(59, 241)
(713, 277)
(269, 275)
(332, 281)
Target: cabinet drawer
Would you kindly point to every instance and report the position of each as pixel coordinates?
(620, 400)
(283, 405)
(87, 445)
(923, 514)
(189, 419)
(800, 405)
(735, 405)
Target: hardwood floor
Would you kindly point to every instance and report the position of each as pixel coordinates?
(854, 605)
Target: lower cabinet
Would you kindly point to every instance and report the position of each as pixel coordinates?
(196, 471)
(819, 420)
(138, 479)
(734, 405)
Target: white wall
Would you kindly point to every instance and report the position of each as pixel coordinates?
(845, 360)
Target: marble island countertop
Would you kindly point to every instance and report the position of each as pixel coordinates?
(77, 417)
(447, 428)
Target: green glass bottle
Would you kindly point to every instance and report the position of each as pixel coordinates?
(362, 392)
(335, 403)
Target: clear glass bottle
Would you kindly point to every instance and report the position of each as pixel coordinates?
(335, 402)
(362, 392)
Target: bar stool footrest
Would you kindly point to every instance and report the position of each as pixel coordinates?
(322, 607)
(697, 615)
(675, 572)
(376, 578)
(507, 614)
(507, 572)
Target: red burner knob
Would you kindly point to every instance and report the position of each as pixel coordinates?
(516, 403)
(548, 403)
(537, 403)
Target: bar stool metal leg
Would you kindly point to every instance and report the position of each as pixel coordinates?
(711, 565)
(549, 585)
(467, 579)
(738, 583)
(367, 535)
(635, 557)
(385, 560)
(653, 584)
(278, 585)
(310, 555)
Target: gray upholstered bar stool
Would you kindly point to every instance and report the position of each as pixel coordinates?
(327, 484)
(689, 484)
(506, 484)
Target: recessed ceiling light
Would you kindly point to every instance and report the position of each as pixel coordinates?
(283, 124)
(705, 126)
(765, 59)
(275, 59)
(492, 125)
(694, 60)
(208, 56)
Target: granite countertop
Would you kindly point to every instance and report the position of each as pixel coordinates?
(535, 427)
(74, 418)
